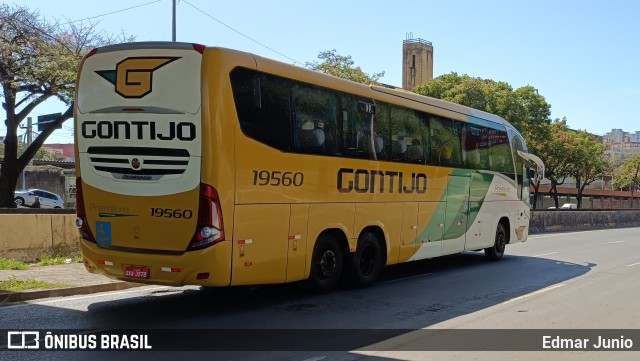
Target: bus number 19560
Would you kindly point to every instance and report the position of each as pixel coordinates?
(277, 178)
(171, 213)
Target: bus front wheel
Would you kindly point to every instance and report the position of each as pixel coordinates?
(366, 262)
(496, 252)
(326, 264)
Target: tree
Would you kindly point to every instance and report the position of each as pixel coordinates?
(343, 67)
(588, 161)
(38, 61)
(628, 175)
(41, 154)
(551, 146)
(538, 143)
(524, 108)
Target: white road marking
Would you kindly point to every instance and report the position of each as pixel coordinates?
(614, 242)
(318, 358)
(545, 236)
(406, 278)
(534, 293)
(101, 294)
(564, 234)
(544, 254)
(633, 264)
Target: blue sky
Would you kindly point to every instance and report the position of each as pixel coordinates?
(582, 56)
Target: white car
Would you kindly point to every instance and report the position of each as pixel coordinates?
(569, 206)
(47, 199)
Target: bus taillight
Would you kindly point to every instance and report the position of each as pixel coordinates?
(199, 48)
(81, 220)
(210, 229)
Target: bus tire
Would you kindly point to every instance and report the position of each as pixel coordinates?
(496, 252)
(326, 264)
(366, 262)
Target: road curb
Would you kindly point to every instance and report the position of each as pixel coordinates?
(64, 292)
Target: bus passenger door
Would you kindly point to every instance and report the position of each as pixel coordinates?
(457, 214)
(408, 241)
(260, 242)
(430, 226)
(297, 242)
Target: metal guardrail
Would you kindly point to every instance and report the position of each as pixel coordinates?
(25, 210)
(418, 40)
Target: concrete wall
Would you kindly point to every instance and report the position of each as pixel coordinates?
(48, 178)
(29, 236)
(580, 220)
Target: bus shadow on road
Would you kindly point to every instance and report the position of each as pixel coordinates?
(413, 295)
(408, 297)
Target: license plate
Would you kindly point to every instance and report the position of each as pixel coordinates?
(136, 272)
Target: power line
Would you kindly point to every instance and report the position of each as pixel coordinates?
(246, 36)
(113, 12)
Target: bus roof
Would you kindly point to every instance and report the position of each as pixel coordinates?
(383, 93)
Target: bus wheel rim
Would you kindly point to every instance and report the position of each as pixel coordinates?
(367, 260)
(328, 263)
(500, 242)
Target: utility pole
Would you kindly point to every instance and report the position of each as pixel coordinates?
(29, 131)
(29, 140)
(173, 33)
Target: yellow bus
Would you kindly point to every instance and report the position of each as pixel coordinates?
(208, 166)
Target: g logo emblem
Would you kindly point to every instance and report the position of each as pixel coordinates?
(133, 77)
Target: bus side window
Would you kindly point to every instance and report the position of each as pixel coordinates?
(406, 135)
(262, 104)
(476, 145)
(356, 129)
(446, 148)
(315, 120)
(516, 145)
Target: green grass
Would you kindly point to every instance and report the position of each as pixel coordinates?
(14, 284)
(52, 261)
(12, 264)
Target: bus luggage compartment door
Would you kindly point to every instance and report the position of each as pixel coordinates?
(298, 239)
(260, 243)
(457, 214)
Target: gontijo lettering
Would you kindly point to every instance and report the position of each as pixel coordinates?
(185, 131)
(379, 181)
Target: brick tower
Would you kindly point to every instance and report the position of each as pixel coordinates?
(417, 62)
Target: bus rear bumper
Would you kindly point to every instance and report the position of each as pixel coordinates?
(207, 267)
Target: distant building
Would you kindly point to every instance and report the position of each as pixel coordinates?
(622, 144)
(64, 152)
(417, 62)
(615, 136)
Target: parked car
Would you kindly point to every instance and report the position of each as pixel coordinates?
(569, 206)
(47, 199)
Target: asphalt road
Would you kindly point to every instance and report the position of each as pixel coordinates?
(562, 281)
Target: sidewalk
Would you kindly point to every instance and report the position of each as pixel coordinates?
(74, 275)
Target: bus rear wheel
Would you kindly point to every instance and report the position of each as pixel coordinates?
(326, 264)
(366, 262)
(496, 252)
